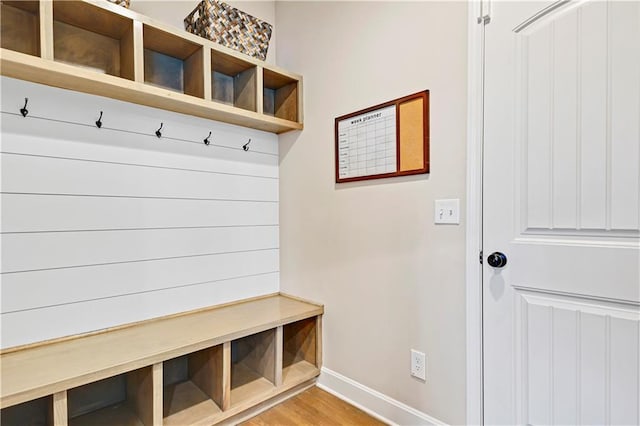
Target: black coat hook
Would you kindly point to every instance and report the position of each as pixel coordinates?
(158, 134)
(206, 140)
(246, 145)
(24, 111)
(99, 122)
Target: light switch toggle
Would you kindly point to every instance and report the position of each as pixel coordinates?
(447, 211)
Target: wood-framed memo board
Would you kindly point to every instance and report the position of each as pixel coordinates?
(386, 140)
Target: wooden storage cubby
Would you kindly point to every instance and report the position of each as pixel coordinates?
(193, 387)
(124, 399)
(299, 350)
(83, 44)
(253, 367)
(280, 95)
(173, 62)
(38, 412)
(20, 26)
(200, 367)
(233, 81)
(89, 36)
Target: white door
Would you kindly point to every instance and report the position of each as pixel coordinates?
(561, 200)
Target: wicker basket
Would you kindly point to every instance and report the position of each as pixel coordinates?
(230, 27)
(123, 3)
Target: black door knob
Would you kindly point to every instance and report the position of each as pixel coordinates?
(497, 259)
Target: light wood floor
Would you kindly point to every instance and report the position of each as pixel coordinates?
(313, 407)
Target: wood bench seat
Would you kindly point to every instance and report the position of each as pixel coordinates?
(237, 356)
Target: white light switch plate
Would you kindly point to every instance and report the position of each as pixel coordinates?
(447, 211)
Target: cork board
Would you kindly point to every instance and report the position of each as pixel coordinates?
(386, 140)
(411, 135)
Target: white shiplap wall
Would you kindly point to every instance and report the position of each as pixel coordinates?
(102, 227)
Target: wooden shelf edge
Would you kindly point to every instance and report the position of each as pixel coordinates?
(132, 324)
(301, 299)
(139, 323)
(258, 389)
(52, 73)
(299, 372)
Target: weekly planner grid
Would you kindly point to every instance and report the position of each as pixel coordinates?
(367, 144)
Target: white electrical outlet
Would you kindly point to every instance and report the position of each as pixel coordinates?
(418, 365)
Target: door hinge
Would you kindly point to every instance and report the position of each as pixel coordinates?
(485, 12)
(480, 257)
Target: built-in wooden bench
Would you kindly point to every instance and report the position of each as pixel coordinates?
(200, 367)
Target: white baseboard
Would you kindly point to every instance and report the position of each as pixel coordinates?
(372, 402)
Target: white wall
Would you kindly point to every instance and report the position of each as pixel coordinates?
(390, 279)
(174, 12)
(102, 227)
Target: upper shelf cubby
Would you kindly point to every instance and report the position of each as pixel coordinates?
(234, 81)
(88, 36)
(100, 48)
(280, 95)
(20, 26)
(173, 62)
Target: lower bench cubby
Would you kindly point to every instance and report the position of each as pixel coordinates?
(253, 367)
(299, 351)
(193, 387)
(38, 412)
(123, 400)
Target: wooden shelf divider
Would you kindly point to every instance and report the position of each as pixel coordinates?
(200, 367)
(60, 408)
(81, 44)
